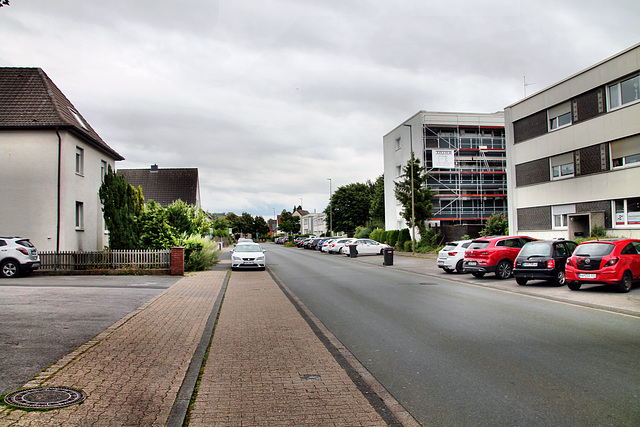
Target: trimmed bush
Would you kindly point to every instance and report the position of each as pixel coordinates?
(200, 253)
(407, 246)
(392, 237)
(403, 236)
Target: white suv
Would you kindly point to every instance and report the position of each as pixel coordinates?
(451, 257)
(17, 256)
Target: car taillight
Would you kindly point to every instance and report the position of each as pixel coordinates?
(23, 251)
(612, 261)
(452, 253)
(551, 264)
(569, 262)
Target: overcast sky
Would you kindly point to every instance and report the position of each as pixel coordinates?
(269, 98)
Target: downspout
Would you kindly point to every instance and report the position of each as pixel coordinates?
(59, 192)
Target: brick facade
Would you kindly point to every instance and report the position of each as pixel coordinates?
(534, 172)
(530, 127)
(597, 206)
(536, 218)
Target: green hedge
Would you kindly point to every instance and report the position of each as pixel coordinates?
(392, 237)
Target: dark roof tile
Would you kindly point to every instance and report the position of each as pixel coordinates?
(165, 186)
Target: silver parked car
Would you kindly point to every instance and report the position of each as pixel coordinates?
(248, 255)
(17, 256)
(366, 247)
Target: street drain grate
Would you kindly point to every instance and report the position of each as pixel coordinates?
(310, 377)
(45, 397)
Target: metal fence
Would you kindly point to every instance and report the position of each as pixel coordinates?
(92, 260)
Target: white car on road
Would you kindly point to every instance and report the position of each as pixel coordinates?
(248, 255)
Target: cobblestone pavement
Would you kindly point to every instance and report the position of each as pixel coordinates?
(131, 372)
(266, 365)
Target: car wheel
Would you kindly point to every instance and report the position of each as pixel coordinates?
(560, 278)
(503, 270)
(625, 284)
(9, 268)
(460, 267)
(574, 286)
(263, 268)
(521, 281)
(478, 274)
(448, 270)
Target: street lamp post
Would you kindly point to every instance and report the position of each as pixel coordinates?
(413, 212)
(330, 210)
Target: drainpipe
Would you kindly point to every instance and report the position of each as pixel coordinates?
(59, 190)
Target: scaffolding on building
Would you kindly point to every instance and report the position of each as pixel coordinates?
(475, 188)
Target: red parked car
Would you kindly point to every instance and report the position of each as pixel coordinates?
(494, 255)
(613, 262)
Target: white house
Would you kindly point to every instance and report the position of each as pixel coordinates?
(51, 166)
(573, 153)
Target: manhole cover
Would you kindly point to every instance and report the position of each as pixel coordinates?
(44, 397)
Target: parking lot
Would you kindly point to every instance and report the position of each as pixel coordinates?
(45, 317)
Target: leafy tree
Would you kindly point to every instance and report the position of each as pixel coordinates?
(155, 231)
(350, 207)
(187, 219)
(376, 211)
(220, 224)
(497, 225)
(421, 195)
(233, 221)
(260, 227)
(121, 204)
(289, 223)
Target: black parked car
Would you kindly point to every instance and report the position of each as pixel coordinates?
(543, 260)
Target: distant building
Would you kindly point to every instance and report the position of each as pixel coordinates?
(165, 186)
(464, 155)
(52, 163)
(314, 223)
(574, 153)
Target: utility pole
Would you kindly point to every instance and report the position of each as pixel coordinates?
(413, 212)
(330, 210)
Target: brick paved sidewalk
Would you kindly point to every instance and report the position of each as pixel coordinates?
(266, 367)
(132, 372)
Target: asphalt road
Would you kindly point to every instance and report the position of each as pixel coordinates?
(46, 317)
(455, 353)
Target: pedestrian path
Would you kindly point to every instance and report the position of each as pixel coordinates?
(265, 367)
(133, 371)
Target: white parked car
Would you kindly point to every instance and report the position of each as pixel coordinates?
(338, 244)
(17, 256)
(326, 245)
(366, 247)
(451, 257)
(248, 255)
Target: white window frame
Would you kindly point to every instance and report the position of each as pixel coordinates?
(103, 170)
(560, 165)
(398, 171)
(79, 161)
(560, 213)
(621, 220)
(614, 91)
(554, 114)
(79, 216)
(398, 145)
(625, 150)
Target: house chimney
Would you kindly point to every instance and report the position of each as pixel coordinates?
(154, 168)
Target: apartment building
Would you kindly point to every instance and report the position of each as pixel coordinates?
(464, 155)
(573, 153)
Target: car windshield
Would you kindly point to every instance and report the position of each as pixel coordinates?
(248, 248)
(449, 247)
(479, 244)
(594, 249)
(536, 249)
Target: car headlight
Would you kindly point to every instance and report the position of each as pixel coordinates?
(260, 258)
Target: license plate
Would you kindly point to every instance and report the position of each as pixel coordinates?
(472, 263)
(529, 264)
(440, 262)
(587, 275)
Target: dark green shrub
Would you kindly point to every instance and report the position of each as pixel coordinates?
(407, 246)
(363, 232)
(392, 237)
(403, 236)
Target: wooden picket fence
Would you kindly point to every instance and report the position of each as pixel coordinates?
(95, 260)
